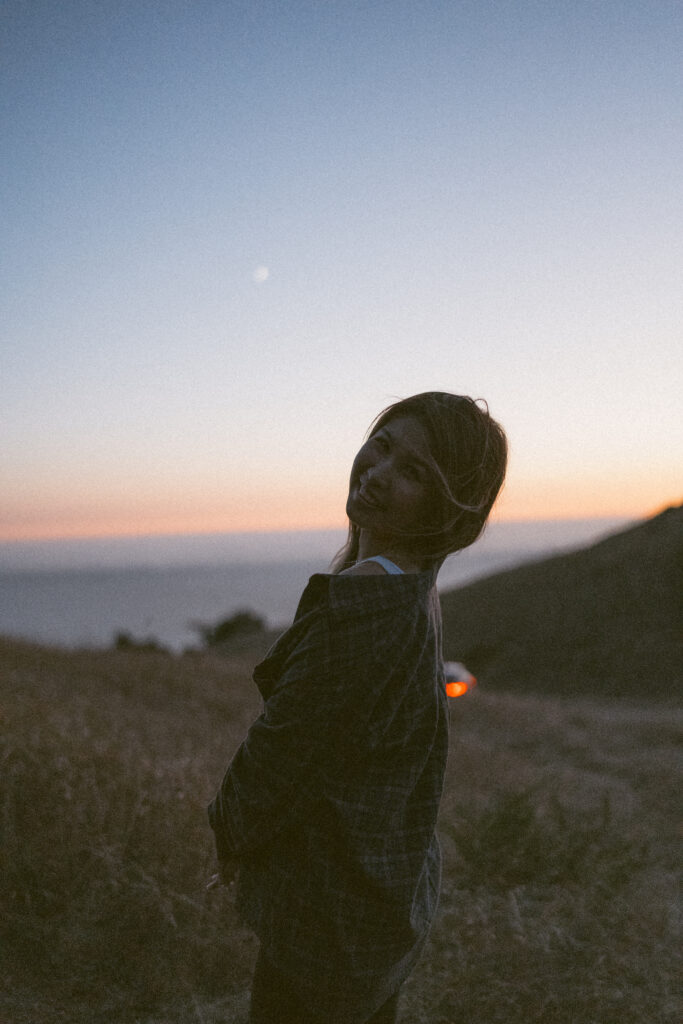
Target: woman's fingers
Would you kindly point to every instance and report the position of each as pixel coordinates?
(223, 878)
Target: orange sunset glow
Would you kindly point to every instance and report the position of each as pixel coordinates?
(269, 510)
(201, 325)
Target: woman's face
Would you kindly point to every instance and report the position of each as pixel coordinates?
(389, 490)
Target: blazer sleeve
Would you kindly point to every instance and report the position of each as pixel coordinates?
(328, 691)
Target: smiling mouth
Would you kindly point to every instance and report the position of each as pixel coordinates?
(369, 501)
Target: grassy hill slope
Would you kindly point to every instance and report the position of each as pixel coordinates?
(604, 621)
(558, 827)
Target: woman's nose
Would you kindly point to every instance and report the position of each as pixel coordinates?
(377, 473)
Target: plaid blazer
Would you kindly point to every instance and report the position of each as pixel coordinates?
(330, 803)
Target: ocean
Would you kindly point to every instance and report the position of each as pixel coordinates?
(82, 593)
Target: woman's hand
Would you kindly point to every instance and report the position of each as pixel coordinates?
(225, 876)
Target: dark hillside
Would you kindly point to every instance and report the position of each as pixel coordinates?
(606, 620)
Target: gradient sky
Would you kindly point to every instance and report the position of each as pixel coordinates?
(234, 231)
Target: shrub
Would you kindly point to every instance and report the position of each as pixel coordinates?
(150, 645)
(242, 625)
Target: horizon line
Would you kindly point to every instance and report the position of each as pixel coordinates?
(264, 531)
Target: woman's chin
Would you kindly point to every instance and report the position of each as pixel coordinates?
(355, 511)
(351, 513)
(361, 516)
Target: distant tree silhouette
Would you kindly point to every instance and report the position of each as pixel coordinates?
(125, 642)
(243, 624)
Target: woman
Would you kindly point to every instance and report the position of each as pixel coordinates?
(329, 806)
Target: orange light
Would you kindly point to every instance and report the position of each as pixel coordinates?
(456, 689)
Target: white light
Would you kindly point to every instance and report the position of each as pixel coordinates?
(261, 274)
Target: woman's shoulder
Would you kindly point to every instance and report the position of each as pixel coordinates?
(367, 568)
(366, 591)
(369, 594)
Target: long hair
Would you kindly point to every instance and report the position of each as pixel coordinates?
(468, 458)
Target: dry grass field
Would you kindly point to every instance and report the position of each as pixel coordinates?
(559, 830)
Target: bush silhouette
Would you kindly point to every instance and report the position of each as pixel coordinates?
(125, 642)
(242, 624)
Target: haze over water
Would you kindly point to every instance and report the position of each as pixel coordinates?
(85, 591)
